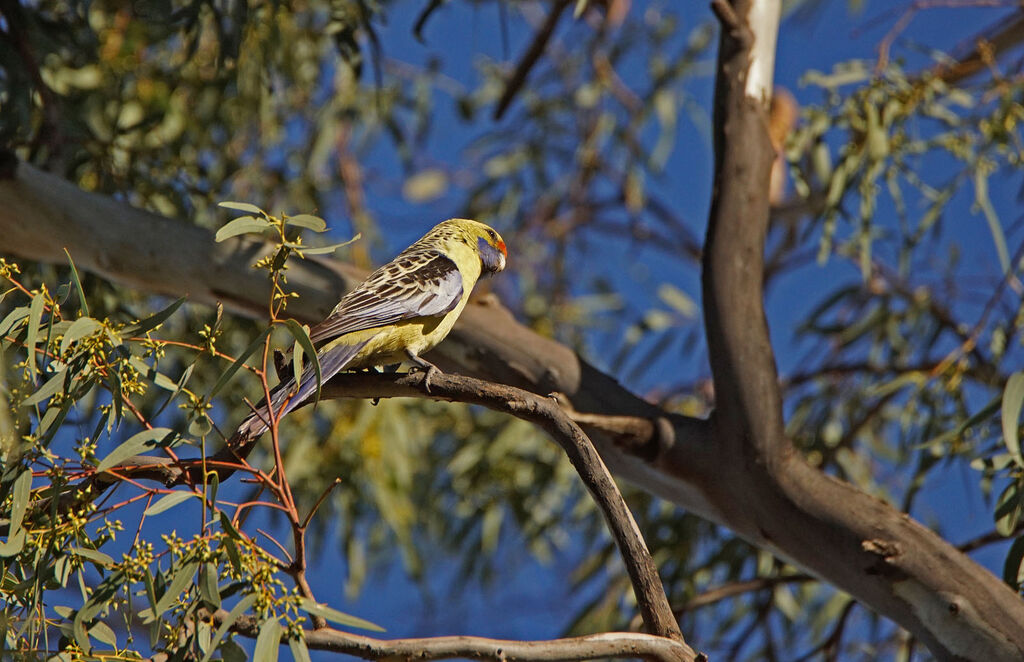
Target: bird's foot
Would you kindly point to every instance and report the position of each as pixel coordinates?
(425, 366)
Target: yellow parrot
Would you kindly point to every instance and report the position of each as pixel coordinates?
(401, 310)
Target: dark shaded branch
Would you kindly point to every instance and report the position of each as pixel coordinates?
(530, 57)
(978, 53)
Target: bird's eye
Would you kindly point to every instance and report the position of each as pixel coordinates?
(492, 234)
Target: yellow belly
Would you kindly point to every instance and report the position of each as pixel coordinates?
(391, 344)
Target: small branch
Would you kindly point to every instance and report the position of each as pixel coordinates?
(608, 644)
(733, 589)
(545, 413)
(533, 53)
(645, 438)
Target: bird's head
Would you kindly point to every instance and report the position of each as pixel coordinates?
(483, 238)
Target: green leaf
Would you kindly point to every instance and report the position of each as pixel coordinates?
(80, 328)
(14, 544)
(232, 652)
(241, 206)
(181, 578)
(208, 589)
(169, 501)
(300, 653)
(52, 386)
(200, 426)
(239, 362)
(101, 632)
(983, 201)
(321, 250)
(179, 386)
(268, 642)
(13, 318)
(22, 491)
(153, 321)
(229, 528)
(94, 555)
(1008, 510)
(338, 617)
(81, 634)
(1012, 565)
(78, 285)
(314, 223)
(135, 445)
(152, 375)
(242, 225)
(1013, 399)
(35, 316)
(302, 337)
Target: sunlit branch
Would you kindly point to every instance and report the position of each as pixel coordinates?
(608, 644)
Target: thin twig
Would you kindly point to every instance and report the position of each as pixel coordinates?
(529, 59)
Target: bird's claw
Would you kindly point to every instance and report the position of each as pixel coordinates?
(430, 371)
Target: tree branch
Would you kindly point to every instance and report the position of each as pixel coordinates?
(861, 544)
(608, 644)
(546, 414)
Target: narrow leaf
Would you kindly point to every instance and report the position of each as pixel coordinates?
(52, 386)
(320, 250)
(13, 317)
(102, 633)
(242, 225)
(151, 374)
(1013, 399)
(239, 362)
(169, 501)
(80, 328)
(78, 284)
(302, 337)
(983, 201)
(338, 617)
(133, 446)
(22, 491)
(14, 544)
(208, 589)
(35, 315)
(240, 206)
(268, 642)
(94, 555)
(153, 321)
(1011, 567)
(314, 223)
(182, 578)
(300, 653)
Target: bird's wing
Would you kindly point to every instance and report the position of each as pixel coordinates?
(423, 283)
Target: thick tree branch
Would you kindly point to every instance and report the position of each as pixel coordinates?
(861, 544)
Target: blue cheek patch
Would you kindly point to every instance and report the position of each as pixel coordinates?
(490, 258)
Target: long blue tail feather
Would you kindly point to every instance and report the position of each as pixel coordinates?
(332, 361)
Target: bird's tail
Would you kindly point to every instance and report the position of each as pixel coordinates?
(333, 360)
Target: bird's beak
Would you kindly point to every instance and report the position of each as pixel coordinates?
(501, 247)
